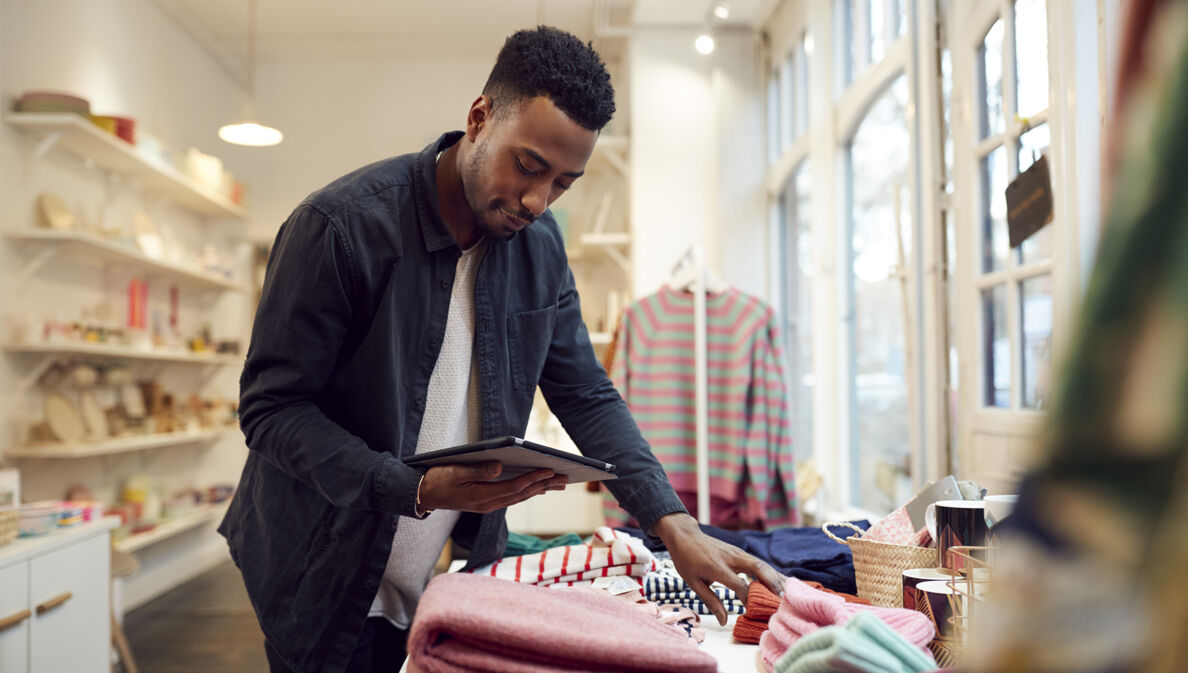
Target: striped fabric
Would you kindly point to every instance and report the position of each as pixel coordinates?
(750, 445)
(666, 587)
(609, 553)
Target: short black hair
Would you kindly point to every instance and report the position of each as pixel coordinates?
(549, 62)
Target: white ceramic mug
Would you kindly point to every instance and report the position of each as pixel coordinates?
(998, 507)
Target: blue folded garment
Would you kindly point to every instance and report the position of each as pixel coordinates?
(863, 645)
(805, 553)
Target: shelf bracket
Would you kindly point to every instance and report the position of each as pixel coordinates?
(27, 381)
(34, 263)
(619, 258)
(618, 163)
(45, 145)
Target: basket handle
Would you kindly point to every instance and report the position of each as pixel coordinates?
(825, 529)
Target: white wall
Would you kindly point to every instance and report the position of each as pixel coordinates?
(127, 58)
(696, 157)
(342, 112)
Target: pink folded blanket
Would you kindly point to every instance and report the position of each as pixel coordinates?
(804, 609)
(474, 623)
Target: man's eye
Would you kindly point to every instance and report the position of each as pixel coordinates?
(561, 186)
(523, 168)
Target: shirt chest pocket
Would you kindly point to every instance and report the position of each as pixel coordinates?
(529, 334)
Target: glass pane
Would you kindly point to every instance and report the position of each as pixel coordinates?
(801, 338)
(996, 348)
(1036, 300)
(951, 324)
(990, 55)
(946, 65)
(902, 21)
(786, 102)
(802, 75)
(995, 238)
(880, 243)
(846, 16)
(1032, 144)
(878, 21)
(773, 119)
(1031, 55)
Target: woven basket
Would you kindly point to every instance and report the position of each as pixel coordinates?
(9, 524)
(879, 566)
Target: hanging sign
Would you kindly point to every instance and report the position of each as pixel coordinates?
(1029, 202)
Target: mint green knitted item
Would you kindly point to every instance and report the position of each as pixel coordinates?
(519, 544)
(864, 645)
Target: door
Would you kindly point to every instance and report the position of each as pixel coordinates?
(69, 590)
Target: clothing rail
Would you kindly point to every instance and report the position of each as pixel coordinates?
(693, 263)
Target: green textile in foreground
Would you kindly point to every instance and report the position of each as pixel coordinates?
(519, 544)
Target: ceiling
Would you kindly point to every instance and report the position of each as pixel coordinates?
(459, 28)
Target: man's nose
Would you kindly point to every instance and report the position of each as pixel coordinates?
(535, 200)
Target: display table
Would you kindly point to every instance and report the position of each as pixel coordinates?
(732, 657)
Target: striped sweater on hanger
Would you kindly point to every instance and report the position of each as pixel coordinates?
(751, 474)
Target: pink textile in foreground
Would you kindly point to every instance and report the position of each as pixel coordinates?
(804, 609)
(473, 623)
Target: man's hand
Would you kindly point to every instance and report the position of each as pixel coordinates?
(702, 560)
(472, 488)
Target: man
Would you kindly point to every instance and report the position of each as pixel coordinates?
(414, 304)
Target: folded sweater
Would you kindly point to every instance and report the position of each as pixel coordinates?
(864, 645)
(804, 610)
(469, 623)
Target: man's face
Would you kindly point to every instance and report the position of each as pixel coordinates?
(522, 161)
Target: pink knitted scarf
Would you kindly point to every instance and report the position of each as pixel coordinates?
(804, 609)
(473, 623)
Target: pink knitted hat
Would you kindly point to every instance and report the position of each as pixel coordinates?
(473, 623)
(804, 609)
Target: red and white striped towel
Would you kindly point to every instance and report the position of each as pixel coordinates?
(608, 553)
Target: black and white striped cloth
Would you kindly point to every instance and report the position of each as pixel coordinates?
(666, 587)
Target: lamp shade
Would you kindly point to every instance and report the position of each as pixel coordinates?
(250, 134)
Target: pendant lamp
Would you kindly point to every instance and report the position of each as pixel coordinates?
(249, 132)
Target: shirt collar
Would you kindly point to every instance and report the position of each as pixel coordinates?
(437, 236)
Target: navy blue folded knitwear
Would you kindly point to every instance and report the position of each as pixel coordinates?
(805, 553)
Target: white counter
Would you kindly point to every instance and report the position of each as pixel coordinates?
(24, 548)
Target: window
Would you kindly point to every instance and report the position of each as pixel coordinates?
(880, 244)
(870, 27)
(797, 271)
(1015, 286)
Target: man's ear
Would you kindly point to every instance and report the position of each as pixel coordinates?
(479, 116)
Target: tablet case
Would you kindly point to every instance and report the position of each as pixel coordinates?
(518, 456)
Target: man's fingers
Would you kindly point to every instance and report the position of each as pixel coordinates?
(481, 471)
(709, 598)
(770, 578)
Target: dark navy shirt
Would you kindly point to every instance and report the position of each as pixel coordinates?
(346, 335)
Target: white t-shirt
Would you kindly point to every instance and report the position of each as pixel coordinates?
(451, 417)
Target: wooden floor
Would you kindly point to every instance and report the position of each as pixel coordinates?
(204, 626)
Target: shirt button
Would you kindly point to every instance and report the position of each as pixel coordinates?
(368, 584)
(392, 525)
(445, 284)
(420, 401)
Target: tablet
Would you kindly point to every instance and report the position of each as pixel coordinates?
(518, 456)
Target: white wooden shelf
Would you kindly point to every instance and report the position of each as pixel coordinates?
(606, 238)
(167, 529)
(92, 248)
(600, 338)
(125, 353)
(83, 139)
(116, 445)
